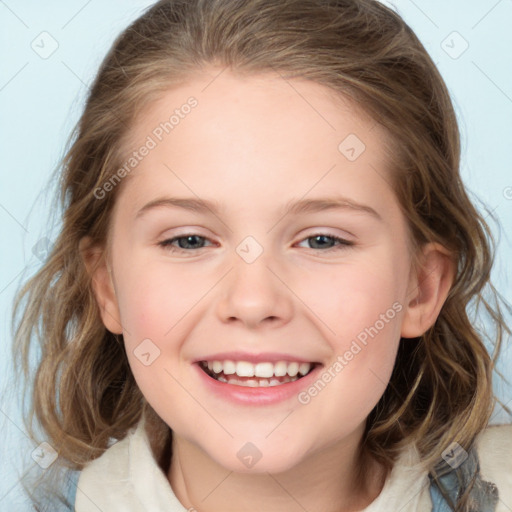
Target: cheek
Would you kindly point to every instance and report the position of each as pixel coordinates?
(154, 297)
(353, 296)
(152, 301)
(361, 303)
(364, 352)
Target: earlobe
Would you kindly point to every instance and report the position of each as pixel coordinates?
(96, 264)
(428, 289)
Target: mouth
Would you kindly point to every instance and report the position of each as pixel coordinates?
(258, 375)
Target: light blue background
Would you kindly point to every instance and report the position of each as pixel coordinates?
(41, 99)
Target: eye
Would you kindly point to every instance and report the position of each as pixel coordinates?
(185, 242)
(321, 240)
(193, 241)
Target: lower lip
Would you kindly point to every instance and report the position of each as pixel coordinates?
(257, 395)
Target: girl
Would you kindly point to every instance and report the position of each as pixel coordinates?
(260, 295)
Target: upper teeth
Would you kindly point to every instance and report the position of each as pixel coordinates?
(263, 370)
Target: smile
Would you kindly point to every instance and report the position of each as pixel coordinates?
(262, 374)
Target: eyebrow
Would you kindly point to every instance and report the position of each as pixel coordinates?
(295, 207)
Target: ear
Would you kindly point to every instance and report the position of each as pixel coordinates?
(96, 264)
(429, 286)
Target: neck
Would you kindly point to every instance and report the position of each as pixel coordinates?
(326, 481)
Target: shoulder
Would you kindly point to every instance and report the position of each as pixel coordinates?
(126, 477)
(104, 479)
(113, 460)
(494, 447)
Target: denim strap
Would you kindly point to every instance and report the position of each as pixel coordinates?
(483, 495)
(73, 481)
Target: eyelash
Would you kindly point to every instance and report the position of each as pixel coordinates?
(166, 244)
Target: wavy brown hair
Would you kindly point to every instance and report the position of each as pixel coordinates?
(82, 390)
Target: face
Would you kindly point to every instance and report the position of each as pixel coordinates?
(259, 235)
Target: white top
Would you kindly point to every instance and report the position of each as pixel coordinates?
(127, 477)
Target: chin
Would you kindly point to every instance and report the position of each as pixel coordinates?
(258, 459)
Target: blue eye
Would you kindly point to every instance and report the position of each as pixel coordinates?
(189, 240)
(192, 241)
(321, 237)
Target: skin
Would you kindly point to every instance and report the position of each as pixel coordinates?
(253, 144)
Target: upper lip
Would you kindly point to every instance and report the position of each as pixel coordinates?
(260, 357)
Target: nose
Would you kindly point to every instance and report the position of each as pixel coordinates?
(255, 295)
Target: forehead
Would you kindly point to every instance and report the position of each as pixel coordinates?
(301, 111)
(250, 134)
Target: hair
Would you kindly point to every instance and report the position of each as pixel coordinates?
(83, 392)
